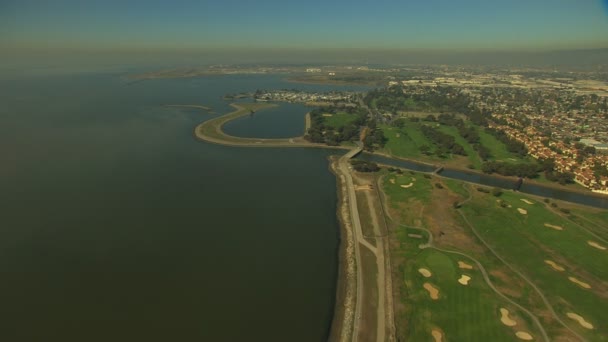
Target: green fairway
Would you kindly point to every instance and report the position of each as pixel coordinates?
(409, 185)
(527, 240)
(405, 142)
(468, 148)
(595, 221)
(462, 312)
(339, 119)
(498, 150)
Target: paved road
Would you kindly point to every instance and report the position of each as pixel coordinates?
(218, 136)
(377, 250)
(344, 165)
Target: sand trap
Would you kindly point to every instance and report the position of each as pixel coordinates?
(392, 180)
(364, 187)
(437, 335)
(425, 273)
(579, 283)
(328, 115)
(415, 236)
(397, 135)
(555, 266)
(464, 265)
(522, 335)
(464, 279)
(407, 186)
(505, 319)
(433, 292)
(580, 320)
(526, 201)
(596, 245)
(522, 211)
(548, 225)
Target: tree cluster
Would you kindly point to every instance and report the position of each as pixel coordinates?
(512, 145)
(321, 133)
(446, 143)
(364, 166)
(526, 170)
(399, 98)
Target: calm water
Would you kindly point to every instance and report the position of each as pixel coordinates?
(285, 121)
(590, 199)
(118, 226)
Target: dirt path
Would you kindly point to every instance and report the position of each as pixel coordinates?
(384, 312)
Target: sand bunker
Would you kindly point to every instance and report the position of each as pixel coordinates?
(579, 283)
(554, 265)
(464, 265)
(464, 279)
(522, 335)
(425, 273)
(328, 115)
(364, 187)
(596, 245)
(433, 292)
(437, 335)
(580, 320)
(397, 135)
(415, 236)
(526, 201)
(548, 225)
(505, 319)
(522, 211)
(407, 186)
(392, 180)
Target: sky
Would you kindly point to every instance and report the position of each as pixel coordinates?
(379, 24)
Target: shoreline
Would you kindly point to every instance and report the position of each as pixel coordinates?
(211, 131)
(343, 315)
(342, 327)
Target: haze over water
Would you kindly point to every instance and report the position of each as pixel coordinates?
(119, 226)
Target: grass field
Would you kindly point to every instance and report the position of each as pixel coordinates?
(498, 151)
(339, 120)
(461, 313)
(564, 255)
(468, 148)
(406, 142)
(527, 241)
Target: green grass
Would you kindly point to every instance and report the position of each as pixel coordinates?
(420, 190)
(596, 221)
(456, 187)
(498, 150)
(339, 120)
(405, 142)
(468, 148)
(524, 242)
(463, 313)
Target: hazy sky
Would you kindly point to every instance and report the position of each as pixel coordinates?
(396, 24)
